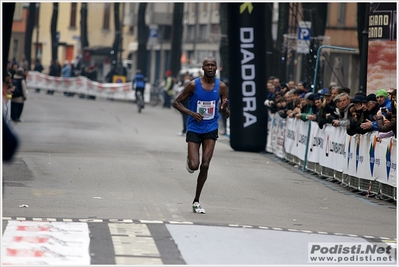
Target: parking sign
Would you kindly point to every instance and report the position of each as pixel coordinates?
(304, 34)
(153, 35)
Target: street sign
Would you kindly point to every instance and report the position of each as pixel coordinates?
(153, 35)
(304, 34)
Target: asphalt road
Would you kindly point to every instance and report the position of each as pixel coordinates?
(102, 160)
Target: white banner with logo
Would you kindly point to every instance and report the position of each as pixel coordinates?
(83, 85)
(276, 135)
(289, 141)
(359, 155)
(317, 143)
(270, 118)
(296, 137)
(372, 160)
(335, 148)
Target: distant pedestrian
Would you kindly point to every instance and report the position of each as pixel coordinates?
(110, 75)
(55, 70)
(168, 89)
(39, 68)
(187, 78)
(13, 69)
(19, 96)
(67, 73)
(91, 74)
(8, 88)
(24, 63)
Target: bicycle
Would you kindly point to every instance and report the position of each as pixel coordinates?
(156, 93)
(139, 101)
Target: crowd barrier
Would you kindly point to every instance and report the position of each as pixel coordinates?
(359, 162)
(82, 85)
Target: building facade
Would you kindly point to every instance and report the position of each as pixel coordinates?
(201, 37)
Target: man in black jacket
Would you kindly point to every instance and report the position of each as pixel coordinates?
(326, 110)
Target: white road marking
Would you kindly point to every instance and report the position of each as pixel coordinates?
(45, 243)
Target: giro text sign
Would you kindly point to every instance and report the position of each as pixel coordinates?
(247, 57)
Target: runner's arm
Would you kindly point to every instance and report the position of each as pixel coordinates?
(224, 94)
(186, 93)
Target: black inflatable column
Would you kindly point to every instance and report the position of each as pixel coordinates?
(247, 81)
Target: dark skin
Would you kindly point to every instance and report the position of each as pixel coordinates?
(209, 67)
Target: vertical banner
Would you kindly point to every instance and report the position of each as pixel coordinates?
(381, 67)
(316, 143)
(247, 60)
(289, 137)
(335, 156)
(271, 132)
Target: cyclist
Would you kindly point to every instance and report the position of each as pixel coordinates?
(139, 85)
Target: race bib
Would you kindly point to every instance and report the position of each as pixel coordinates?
(206, 109)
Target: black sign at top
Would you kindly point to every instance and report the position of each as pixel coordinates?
(382, 21)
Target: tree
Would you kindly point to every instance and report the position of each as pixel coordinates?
(142, 37)
(362, 35)
(8, 15)
(270, 65)
(177, 33)
(317, 15)
(53, 31)
(117, 40)
(224, 41)
(282, 28)
(84, 41)
(29, 32)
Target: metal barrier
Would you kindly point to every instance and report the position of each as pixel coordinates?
(365, 184)
(358, 184)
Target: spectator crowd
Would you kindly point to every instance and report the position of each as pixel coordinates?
(334, 105)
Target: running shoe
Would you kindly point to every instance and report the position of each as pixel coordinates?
(188, 168)
(197, 208)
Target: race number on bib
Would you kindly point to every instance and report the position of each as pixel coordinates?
(206, 109)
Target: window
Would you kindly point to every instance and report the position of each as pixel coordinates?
(39, 49)
(107, 13)
(72, 22)
(18, 11)
(204, 7)
(15, 48)
(215, 34)
(166, 32)
(215, 28)
(203, 35)
(191, 33)
(192, 7)
(341, 14)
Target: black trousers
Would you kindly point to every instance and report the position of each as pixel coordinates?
(16, 110)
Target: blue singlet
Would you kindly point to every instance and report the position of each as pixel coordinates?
(206, 103)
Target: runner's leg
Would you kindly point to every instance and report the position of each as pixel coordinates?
(208, 146)
(193, 155)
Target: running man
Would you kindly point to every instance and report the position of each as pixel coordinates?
(203, 94)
